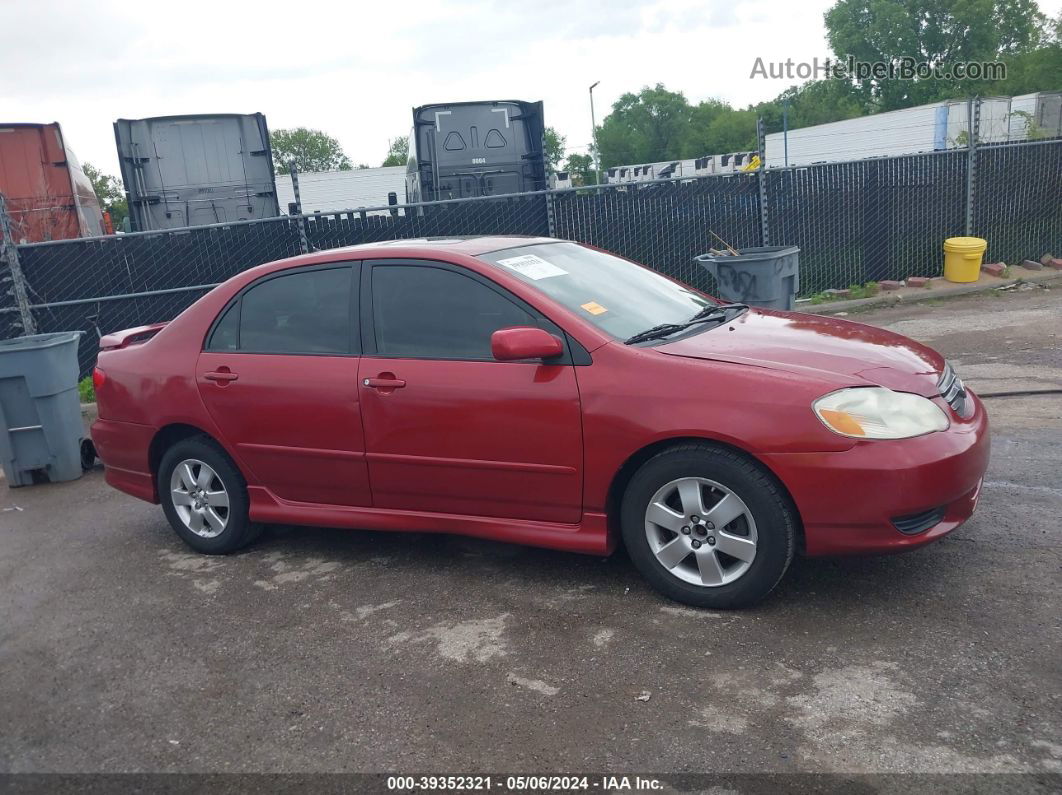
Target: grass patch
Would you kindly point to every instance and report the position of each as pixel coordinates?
(868, 290)
(85, 390)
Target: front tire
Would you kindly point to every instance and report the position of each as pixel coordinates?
(708, 527)
(204, 497)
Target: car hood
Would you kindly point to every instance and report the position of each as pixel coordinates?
(837, 351)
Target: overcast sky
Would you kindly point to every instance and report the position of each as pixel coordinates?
(355, 69)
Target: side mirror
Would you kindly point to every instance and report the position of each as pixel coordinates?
(524, 342)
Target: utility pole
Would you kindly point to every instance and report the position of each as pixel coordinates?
(593, 126)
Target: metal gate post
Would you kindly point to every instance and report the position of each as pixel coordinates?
(973, 130)
(304, 245)
(761, 176)
(9, 255)
(549, 214)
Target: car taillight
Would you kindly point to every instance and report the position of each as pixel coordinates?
(99, 378)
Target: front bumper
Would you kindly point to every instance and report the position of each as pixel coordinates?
(848, 500)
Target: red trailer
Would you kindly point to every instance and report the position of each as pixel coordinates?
(47, 193)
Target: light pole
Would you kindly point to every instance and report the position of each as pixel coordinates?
(593, 126)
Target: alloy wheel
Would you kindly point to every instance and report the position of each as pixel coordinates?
(199, 497)
(701, 531)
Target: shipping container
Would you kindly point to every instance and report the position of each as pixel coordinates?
(925, 128)
(463, 149)
(196, 170)
(47, 194)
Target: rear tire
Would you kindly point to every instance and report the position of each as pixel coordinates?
(708, 527)
(204, 497)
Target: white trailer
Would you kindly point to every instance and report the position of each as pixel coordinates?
(926, 128)
(645, 172)
(708, 165)
(332, 191)
(1039, 113)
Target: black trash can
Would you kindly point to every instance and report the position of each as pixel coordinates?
(763, 276)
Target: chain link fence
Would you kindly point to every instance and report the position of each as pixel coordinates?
(1017, 204)
(663, 224)
(868, 220)
(854, 222)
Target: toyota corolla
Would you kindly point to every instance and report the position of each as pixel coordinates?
(539, 392)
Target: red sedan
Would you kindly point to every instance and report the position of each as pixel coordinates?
(540, 392)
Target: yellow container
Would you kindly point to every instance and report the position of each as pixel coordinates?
(962, 258)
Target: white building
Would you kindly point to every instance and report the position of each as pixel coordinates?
(333, 191)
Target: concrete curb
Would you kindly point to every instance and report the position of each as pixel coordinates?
(894, 299)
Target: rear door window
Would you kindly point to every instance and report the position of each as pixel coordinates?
(303, 311)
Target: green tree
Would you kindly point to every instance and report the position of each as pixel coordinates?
(110, 193)
(645, 127)
(814, 102)
(1035, 70)
(822, 101)
(397, 152)
(938, 32)
(697, 140)
(581, 169)
(733, 132)
(553, 144)
(312, 150)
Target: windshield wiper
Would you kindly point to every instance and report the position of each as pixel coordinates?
(710, 312)
(714, 309)
(655, 332)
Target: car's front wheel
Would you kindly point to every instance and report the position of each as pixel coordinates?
(204, 497)
(707, 526)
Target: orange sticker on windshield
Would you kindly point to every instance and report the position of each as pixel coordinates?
(594, 308)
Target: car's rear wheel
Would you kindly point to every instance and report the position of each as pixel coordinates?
(204, 497)
(707, 526)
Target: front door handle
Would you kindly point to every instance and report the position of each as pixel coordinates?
(221, 376)
(384, 383)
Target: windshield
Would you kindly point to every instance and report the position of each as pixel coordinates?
(615, 295)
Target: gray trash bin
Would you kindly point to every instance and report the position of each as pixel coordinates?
(40, 414)
(764, 276)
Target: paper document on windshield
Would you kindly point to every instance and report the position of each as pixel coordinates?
(532, 267)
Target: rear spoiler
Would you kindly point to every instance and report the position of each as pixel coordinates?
(131, 336)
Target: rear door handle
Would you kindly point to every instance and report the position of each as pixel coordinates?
(221, 376)
(384, 383)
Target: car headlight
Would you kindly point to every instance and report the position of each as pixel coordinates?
(879, 413)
